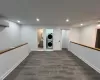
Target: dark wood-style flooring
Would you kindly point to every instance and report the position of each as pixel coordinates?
(53, 65)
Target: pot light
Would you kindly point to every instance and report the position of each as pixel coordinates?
(37, 19)
(81, 24)
(18, 21)
(67, 20)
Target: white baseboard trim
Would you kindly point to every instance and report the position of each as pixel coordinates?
(88, 63)
(42, 50)
(33, 49)
(12, 68)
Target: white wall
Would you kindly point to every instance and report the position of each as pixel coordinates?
(75, 34)
(89, 56)
(11, 59)
(85, 35)
(29, 34)
(65, 38)
(88, 35)
(10, 36)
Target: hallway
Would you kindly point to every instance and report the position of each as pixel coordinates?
(57, 65)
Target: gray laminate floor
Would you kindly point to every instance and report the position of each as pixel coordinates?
(57, 65)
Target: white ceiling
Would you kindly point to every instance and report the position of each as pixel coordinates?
(50, 12)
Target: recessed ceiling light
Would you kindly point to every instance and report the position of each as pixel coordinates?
(81, 24)
(18, 21)
(37, 19)
(67, 20)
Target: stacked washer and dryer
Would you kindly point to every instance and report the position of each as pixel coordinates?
(49, 41)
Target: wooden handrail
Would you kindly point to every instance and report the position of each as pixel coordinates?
(85, 46)
(6, 50)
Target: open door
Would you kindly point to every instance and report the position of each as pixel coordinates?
(40, 39)
(49, 38)
(97, 45)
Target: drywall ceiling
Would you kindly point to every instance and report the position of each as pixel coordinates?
(50, 12)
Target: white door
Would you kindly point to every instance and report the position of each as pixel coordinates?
(57, 39)
(65, 38)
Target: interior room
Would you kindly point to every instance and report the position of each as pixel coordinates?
(40, 38)
(49, 39)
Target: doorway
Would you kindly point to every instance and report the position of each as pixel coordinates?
(97, 45)
(65, 39)
(40, 38)
(49, 38)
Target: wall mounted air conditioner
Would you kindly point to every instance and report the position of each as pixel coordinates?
(3, 23)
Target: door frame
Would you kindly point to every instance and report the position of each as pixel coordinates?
(43, 39)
